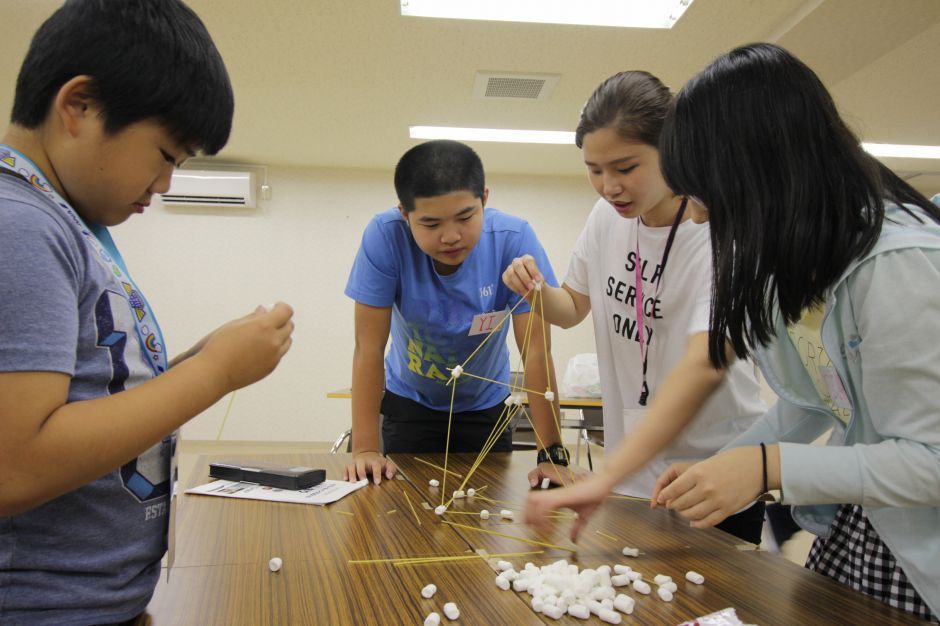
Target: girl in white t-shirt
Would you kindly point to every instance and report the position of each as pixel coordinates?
(642, 267)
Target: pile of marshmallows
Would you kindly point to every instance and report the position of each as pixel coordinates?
(561, 588)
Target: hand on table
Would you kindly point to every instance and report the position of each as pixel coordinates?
(368, 463)
(557, 474)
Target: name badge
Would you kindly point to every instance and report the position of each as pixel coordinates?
(485, 323)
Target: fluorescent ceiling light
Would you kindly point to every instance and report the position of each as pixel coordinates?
(901, 150)
(491, 134)
(629, 13)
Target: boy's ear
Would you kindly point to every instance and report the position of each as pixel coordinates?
(486, 194)
(74, 104)
(404, 213)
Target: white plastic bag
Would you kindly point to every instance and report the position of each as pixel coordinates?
(582, 379)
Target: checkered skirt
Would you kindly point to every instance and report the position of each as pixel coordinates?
(854, 555)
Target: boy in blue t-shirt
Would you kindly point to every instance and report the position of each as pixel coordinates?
(112, 95)
(429, 274)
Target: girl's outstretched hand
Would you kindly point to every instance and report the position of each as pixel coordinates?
(583, 498)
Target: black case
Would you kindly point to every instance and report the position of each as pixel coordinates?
(269, 474)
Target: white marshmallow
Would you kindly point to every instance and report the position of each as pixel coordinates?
(665, 594)
(607, 603)
(506, 514)
(517, 399)
(538, 286)
(550, 396)
(471, 492)
(659, 579)
(671, 587)
(631, 551)
(520, 585)
(546, 482)
(600, 593)
(537, 605)
(451, 611)
(429, 591)
(456, 372)
(503, 566)
(275, 564)
(433, 619)
(503, 583)
(579, 610)
(624, 603)
(594, 606)
(622, 569)
(609, 616)
(458, 494)
(641, 586)
(484, 514)
(603, 569)
(694, 577)
(440, 509)
(553, 612)
(509, 401)
(434, 482)
(620, 580)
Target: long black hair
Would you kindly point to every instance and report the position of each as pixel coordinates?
(792, 197)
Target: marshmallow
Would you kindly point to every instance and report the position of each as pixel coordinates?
(503, 583)
(546, 482)
(506, 514)
(624, 603)
(484, 514)
(671, 587)
(641, 586)
(659, 579)
(550, 396)
(456, 372)
(503, 565)
(552, 611)
(622, 569)
(433, 619)
(458, 494)
(579, 610)
(630, 551)
(429, 591)
(440, 509)
(609, 616)
(275, 564)
(471, 492)
(694, 577)
(451, 611)
(434, 482)
(664, 594)
(620, 580)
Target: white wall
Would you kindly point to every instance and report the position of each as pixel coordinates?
(200, 270)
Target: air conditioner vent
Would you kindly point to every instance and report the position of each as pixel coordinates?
(209, 188)
(514, 86)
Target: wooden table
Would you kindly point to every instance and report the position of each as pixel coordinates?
(221, 572)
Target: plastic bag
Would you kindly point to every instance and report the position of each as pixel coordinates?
(582, 379)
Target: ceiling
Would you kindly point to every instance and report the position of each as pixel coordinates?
(336, 84)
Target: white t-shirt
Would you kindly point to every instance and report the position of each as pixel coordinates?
(603, 268)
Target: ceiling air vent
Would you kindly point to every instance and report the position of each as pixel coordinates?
(513, 86)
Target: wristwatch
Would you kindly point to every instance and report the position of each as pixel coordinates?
(556, 452)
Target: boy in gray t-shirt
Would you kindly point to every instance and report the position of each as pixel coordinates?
(112, 95)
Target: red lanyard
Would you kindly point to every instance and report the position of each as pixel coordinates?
(638, 273)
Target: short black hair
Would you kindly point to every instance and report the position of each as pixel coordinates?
(634, 103)
(436, 168)
(149, 59)
(792, 197)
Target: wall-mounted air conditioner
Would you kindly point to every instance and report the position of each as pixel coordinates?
(210, 188)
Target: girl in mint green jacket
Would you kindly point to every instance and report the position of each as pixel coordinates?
(827, 271)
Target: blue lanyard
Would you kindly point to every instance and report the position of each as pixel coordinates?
(99, 239)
